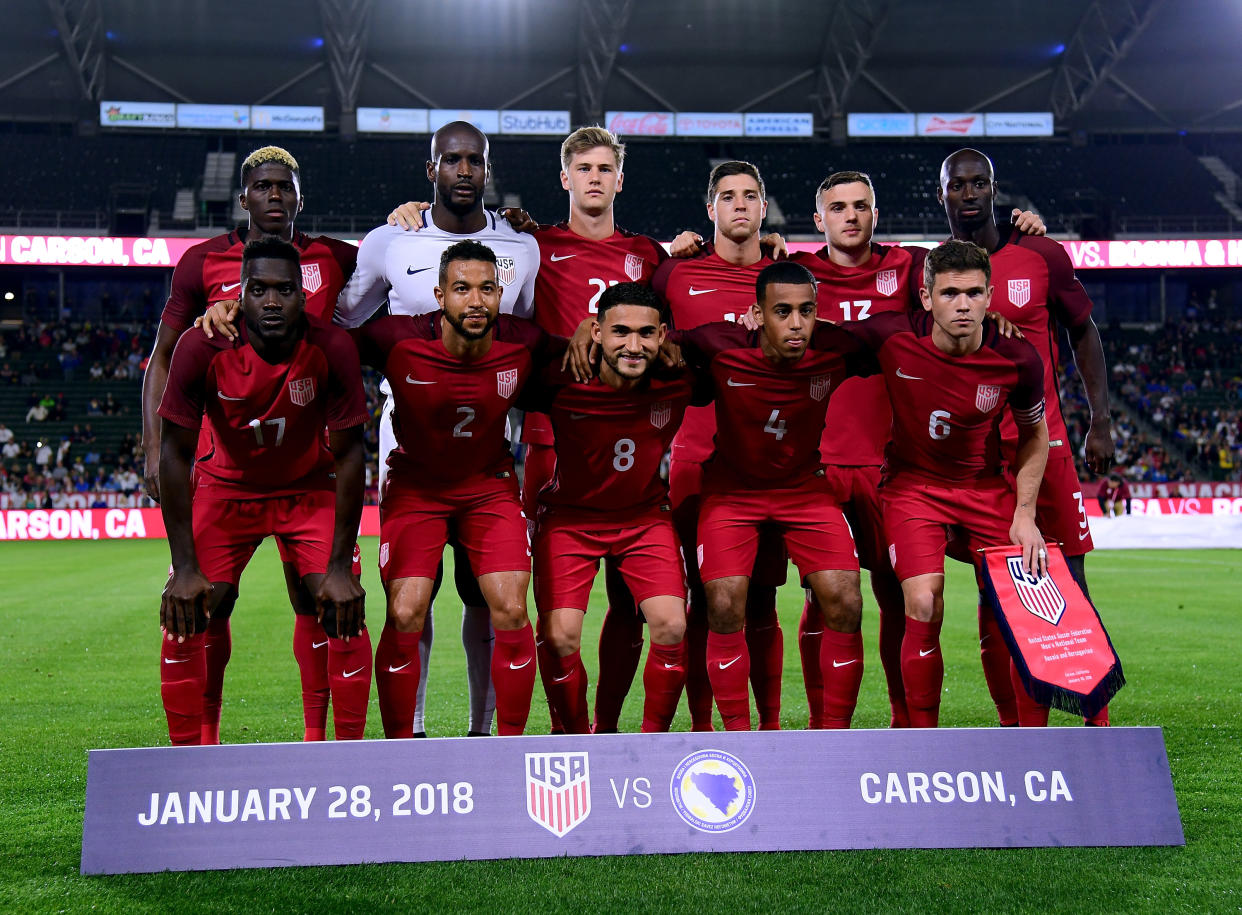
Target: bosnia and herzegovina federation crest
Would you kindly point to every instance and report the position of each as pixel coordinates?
(1039, 595)
(506, 270)
(558, 790)
(302, 391)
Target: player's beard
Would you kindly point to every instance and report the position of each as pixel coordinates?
(615, 364)
(459, 326)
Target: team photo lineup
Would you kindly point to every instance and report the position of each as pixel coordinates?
(692, 421)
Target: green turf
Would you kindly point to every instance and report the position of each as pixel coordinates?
(78, 670)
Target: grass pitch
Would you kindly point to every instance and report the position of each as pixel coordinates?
(79, 670)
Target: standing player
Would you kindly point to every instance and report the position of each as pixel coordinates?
(771, 389)
(1038, 292)
(208, 273)
(715, 287)
(606, 501)
(951, 377)
(454, 375)
(267, 399)
(400, 268)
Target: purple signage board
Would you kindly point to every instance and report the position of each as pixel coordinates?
(275, 805)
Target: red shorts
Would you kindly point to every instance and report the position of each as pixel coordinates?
(485, 517)
(228, 531)
(646, 553)
(287, 556)
(536, 472)
(918, 516)
(857, 490)
(1059, 511)
(685, 485)
(812, 525)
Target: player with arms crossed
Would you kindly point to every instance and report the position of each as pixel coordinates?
(606, 500)
(454, 376)
(267, 398)
(771, 390)
(401, 269)
(951, 377)
(1037, 291)
(208, 274)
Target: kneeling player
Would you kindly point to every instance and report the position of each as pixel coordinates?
(950, 377)
(606, 500)
(267, 399)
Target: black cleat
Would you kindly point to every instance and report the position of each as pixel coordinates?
(420, 734)
(477, 734)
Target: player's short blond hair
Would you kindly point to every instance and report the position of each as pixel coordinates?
(269, 155)
(585, 138)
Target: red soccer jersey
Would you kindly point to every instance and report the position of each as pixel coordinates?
(947, 409)
(609, 444)
(211, 272)
(860, 419)
(573, 274)
(449, 418)
(703, 290)
(266, 420)
(770, 418)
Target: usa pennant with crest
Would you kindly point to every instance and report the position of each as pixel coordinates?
(302, 391)
(558, 790)
(987, 396)
(886, 282)
(506, 383)
(506, 270)
(661, 413)
(312, 279)
(634, 267)
(1019, 292)
(1061, 650)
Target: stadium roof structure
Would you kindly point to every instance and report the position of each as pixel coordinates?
(1104, 65)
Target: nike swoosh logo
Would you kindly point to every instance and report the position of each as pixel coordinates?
(350, 673)
(670, 666)
(923, 654)
(229, 286)
(725, 665)
(577, 416)
(224, 396)
(409, 380)
(816, 632)
(319, 644)
(901, 374)
(176, 660)
(836, 663)
(693, 291)
(568, 675)
(984, 638)
(741, 384)
(513, 666)
(410, 271)
(393, 670)
(561, 257)
(1084, 535)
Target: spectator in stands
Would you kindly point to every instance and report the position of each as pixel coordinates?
(43, 455)
(11, 450)
(6, 434)
(37, 413)
(94, 407)
(7, 375)
(97, 371)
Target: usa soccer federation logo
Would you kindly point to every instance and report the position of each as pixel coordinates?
(634, 267)
(312, 279)
(302, 391)
(661, 413)
(558, 790)
(819, 386)
(886, 282)
(1041, 596)
(506, 270)
(1019, 292)
(713, 791)
(506, 383)
(987, 396)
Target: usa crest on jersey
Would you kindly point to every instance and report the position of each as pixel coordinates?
(506, 383)
(506, 270)
(661, 413)
(1041, 596)
(634, 267)
(987, 396)
(558, 790)
(819, 386)
(1019, 292)
(312, 279)
(302, 391)
(886, 282)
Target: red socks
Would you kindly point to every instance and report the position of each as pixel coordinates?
(663, 677)
(1030, 713)
(728, 668)
(994, 654)
(565, 682)
(513, 676)
(620, 650)
(183, 673)
(922, 670)
(892, 631)
(766, 643)
(841, 666)
(217, 649)
(810, 635)
(397, 670)
(310, 650)
(349, 679)
(698, 682)
(1099, 719)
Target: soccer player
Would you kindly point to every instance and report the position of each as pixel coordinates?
(267, 398)
(951, 377)
(606, 500)
(1038, 292)
(771, 390)
(454, 375)
(715, 287)
(400, 268)
(208, 273)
